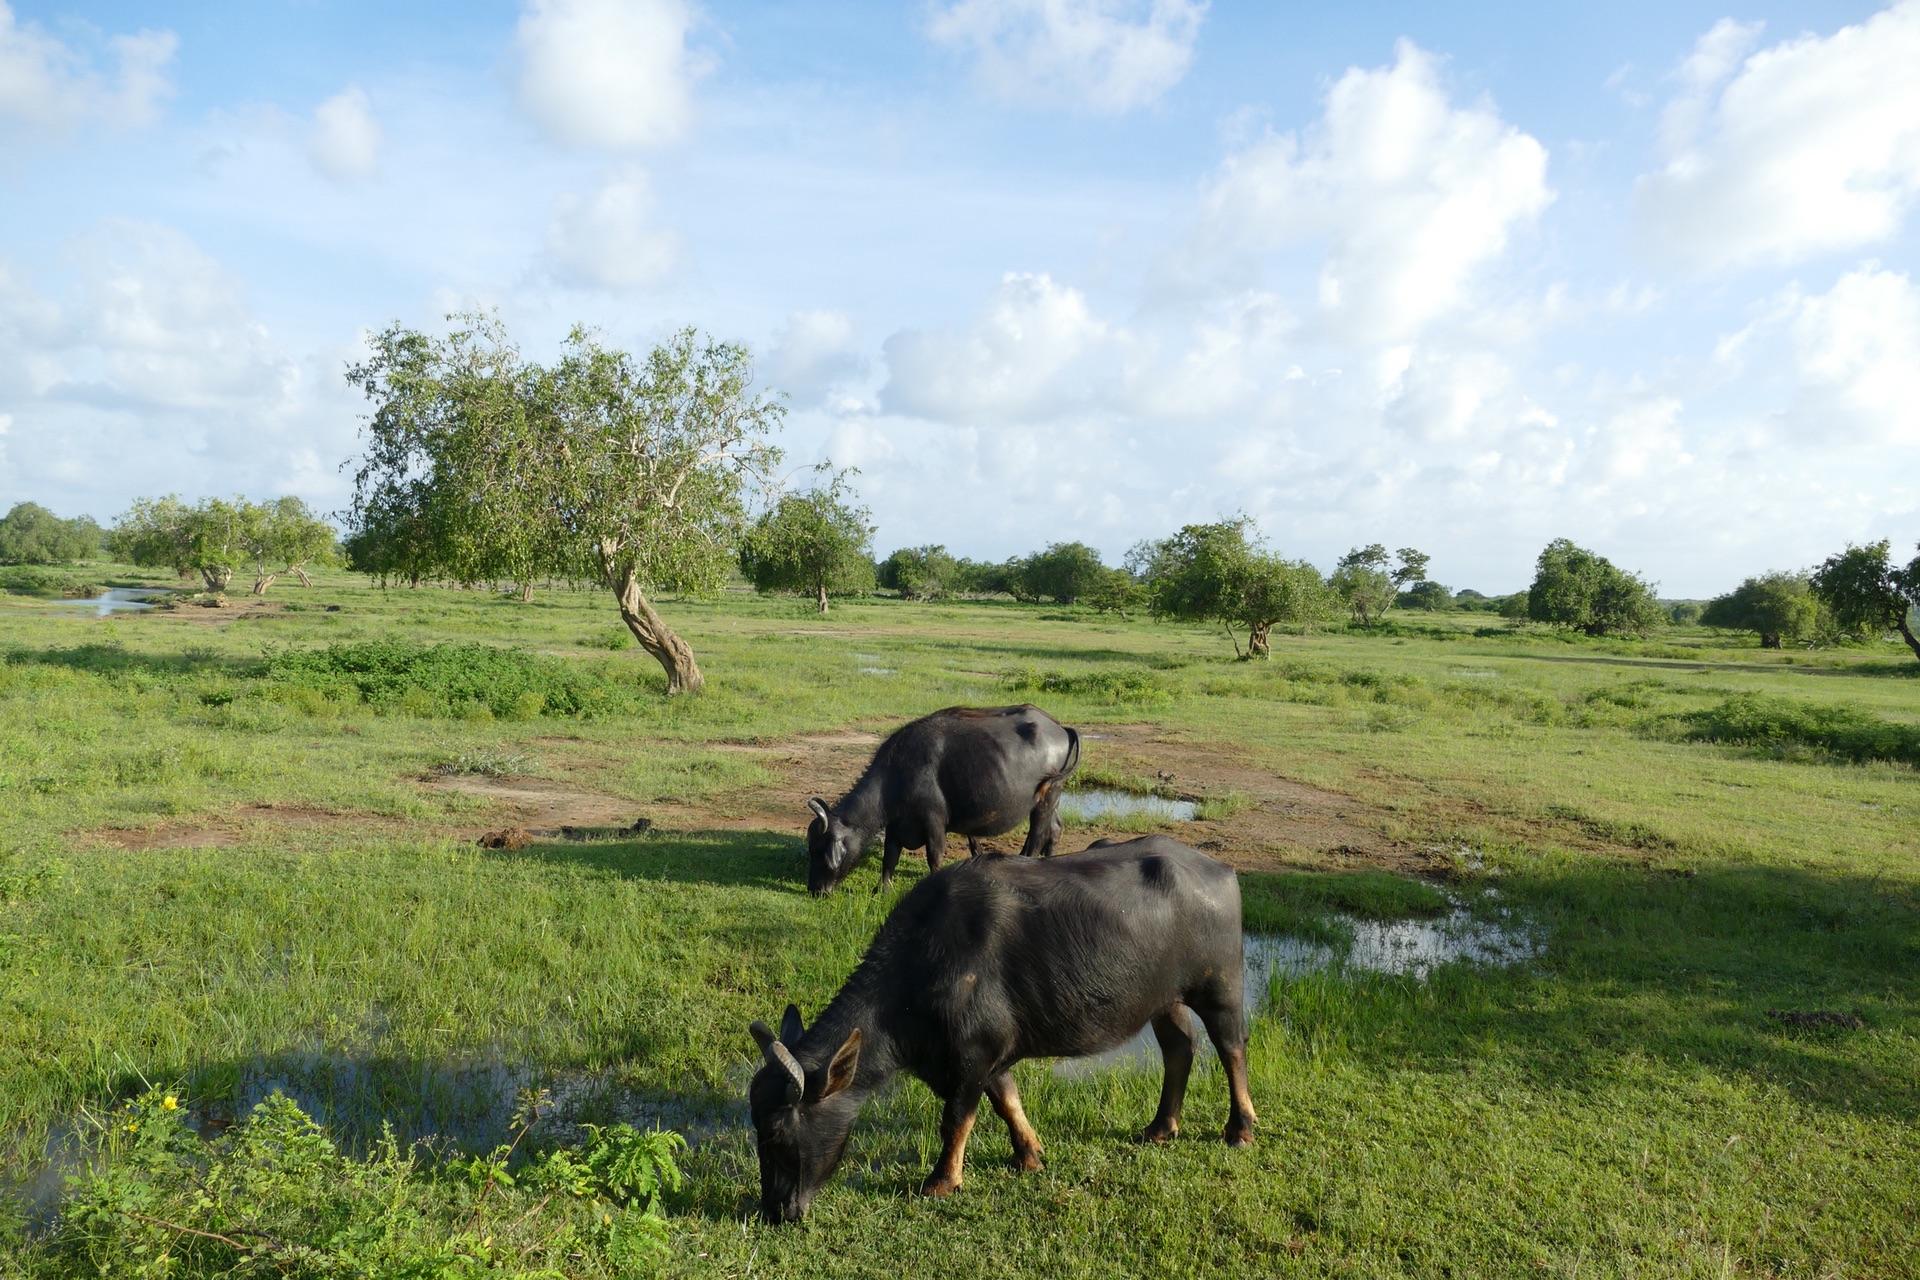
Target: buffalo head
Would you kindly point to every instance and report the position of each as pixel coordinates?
(801, 1122)
(833, 848)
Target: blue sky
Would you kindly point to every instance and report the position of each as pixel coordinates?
(1466, 278)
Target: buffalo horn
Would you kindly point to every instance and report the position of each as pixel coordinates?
(782, 1057)
(819, 808)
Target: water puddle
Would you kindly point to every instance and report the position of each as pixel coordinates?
(1103, 802)
(1410, 948)
(115, 600)
(879, 671)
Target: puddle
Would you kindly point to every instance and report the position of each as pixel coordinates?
(1412, 948)
(879, 671)
(1102, 802)
(114, 600)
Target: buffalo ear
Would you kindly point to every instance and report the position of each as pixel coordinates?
(819, 808)
(790, 1028)
(840, 1072)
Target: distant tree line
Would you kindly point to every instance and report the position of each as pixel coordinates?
(31, 534)
(214, 538)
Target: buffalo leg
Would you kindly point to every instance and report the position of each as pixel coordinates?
(889, 858)
(1043, 823)
(1175, 1035)
(936, 847)
(956, 1126)
(1227, 1028)
(973, 846)
(1006, 1101)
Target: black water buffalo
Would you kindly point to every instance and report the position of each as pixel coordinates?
(976, 771)
(995, 960)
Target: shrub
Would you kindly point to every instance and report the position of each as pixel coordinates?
(1119, 684)
(1779, 724)
(442, 680)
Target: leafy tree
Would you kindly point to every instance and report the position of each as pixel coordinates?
(31, 534)
(1773, 604)
(1867, 594)
(483, 466)
(208, 538)
(1684, 613)
(988, 578)
(920, 573)
(1573, 587)
(1118, 592)
(1428, 596)
(286, 534)
(1219, 572)
(1065, 571)
(815, 543)
(1370, 582)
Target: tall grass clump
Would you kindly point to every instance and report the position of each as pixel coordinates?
(1119, 684)
(443, 679)
(1786, 727)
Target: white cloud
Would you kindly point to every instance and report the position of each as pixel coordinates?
(1104, 56)
(1813, 145)
(604, 241)
(607, 73)
(1857, 351)
(1412, 195)
(344, 143)
(813, 353)
(1014, 364)
(1229, 358)
(51, 87)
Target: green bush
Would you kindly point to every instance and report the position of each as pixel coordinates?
(1119, 684)
(32, 580)
(1781, 725)
(442, 680)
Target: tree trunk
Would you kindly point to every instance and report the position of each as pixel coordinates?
(1257, 640)
(300, 571)
(1906, 633)
(673, 654)
(262, 581)
(217, 577)
(526, 592)
(1769, 640)
(820, 596)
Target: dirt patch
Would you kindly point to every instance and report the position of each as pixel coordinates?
(538, 804)
(247, 821)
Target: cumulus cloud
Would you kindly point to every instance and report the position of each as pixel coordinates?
(1231, 357)
(1103, 56)
(1016, 363)
(1412, 195)
(605, 241)
(1805, 147)
(1857, 350)
(49, 87)
(607, 73)
(344, 142)
(813, 353)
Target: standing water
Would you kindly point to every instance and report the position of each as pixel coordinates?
(114, 600)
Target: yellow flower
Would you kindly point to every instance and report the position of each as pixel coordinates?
(133, 1126)
(169, 1103)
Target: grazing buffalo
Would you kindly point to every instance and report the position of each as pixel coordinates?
(999, 959)
(976, 771)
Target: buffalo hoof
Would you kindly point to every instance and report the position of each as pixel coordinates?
(1160, 1133)
(939, 1188)
(1238, 1134)
(1027, 1161)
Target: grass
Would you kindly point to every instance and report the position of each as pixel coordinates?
(1621, 1105)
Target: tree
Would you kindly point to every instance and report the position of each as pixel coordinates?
(1219, 572)
(1866, 594)
(920, 573)
(1684, 613)
(1773, 604)
(31, 534)
(285, 533)
(1065, 571)
(989, 577)
(1427, 596)
(208, 538)
(1117, 592)
(1573, 587)
(599, 469)
(815, 543)
(1370, 582)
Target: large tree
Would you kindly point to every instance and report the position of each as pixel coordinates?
(1573, 587)
(1867, 594)
(283, 536)
(31, 534)
(1370, 581)
(922, 573)
(1064, 572)
(208, 538)
(1219, 572)
(814, 543)
(600, 468)
(1775, 605)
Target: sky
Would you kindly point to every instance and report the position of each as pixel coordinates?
(1459, 277)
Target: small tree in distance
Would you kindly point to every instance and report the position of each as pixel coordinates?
(1370, 582)
(1218, 572)
(1867, 594)
(921, 573)
(31, 534)
(1775, 605)
(814, 543)
(1573, 587)
(1064, 572)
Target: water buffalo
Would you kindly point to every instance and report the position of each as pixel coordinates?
(998, 959)
(976, 771)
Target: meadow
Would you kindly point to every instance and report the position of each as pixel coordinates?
(239, 856)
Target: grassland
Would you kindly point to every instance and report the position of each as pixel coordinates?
(226, 866)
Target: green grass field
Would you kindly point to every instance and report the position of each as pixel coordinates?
(221, 873)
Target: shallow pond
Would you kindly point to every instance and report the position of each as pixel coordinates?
(1103, 802)
(114, 600)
